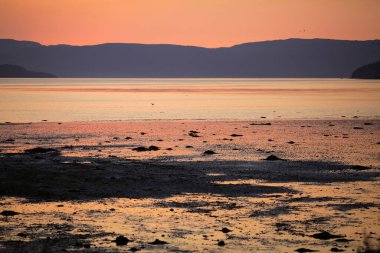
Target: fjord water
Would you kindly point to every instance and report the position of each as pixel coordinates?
(81, 99)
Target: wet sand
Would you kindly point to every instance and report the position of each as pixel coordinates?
(94, 185)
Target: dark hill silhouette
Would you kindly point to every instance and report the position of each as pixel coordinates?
(12, 71)
(280, 58)
(369, 71)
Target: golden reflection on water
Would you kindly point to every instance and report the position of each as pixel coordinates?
(25, 100)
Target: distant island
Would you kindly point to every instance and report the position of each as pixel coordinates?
(291, 58)
(14, 71)
(369, 71)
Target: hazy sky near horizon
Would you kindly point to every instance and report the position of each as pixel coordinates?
(209, 23)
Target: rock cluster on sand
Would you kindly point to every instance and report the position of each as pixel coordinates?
(143, 149)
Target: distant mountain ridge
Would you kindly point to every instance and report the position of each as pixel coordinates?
(273, 59)
(14, 71)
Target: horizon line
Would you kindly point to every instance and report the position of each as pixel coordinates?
(137, 43)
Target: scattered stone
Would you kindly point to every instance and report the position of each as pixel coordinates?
(188, 146)
(331, 125)
(236, 135)
(158, 242)
(122, 240)
(226, 230)
(9, 213)
(261, 124)
(142, 133)
(368, 124)
(270, 140)
(21, 234)
(325, 236)
(116, 138)
(40, 150)
(134, 249)
(193, 133)
(128, 138)
(263, 117)
(209, 152)
(336, 250)
(221, 243)
(357, 128)
(291, 142)
(169, 149)
(273, 158)
(301, 250)
(143, 149)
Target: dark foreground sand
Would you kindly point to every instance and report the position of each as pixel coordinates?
(93, 186)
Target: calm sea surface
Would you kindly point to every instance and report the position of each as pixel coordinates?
(79, 99)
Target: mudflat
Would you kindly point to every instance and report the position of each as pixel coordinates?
(188, 186)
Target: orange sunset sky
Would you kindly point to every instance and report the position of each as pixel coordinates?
(208, 23)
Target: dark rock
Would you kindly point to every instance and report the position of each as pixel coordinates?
(9, 140)
(9, 213)
(122, 240)
(273, 158)
(209, 152)
(158, 242)
(134, 249)
(357, 128)
(301, 250)
(261, 124)
(194, 133)
(143, 149)
(221, 243)
(128, 138)
(368, 124)
(226, 230)
(291, 142)
(236, 135)
(142, 133)
(336, 250)
(40, 150)
(325, 236)
(188, 146)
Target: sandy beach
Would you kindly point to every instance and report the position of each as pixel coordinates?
(190, 186)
